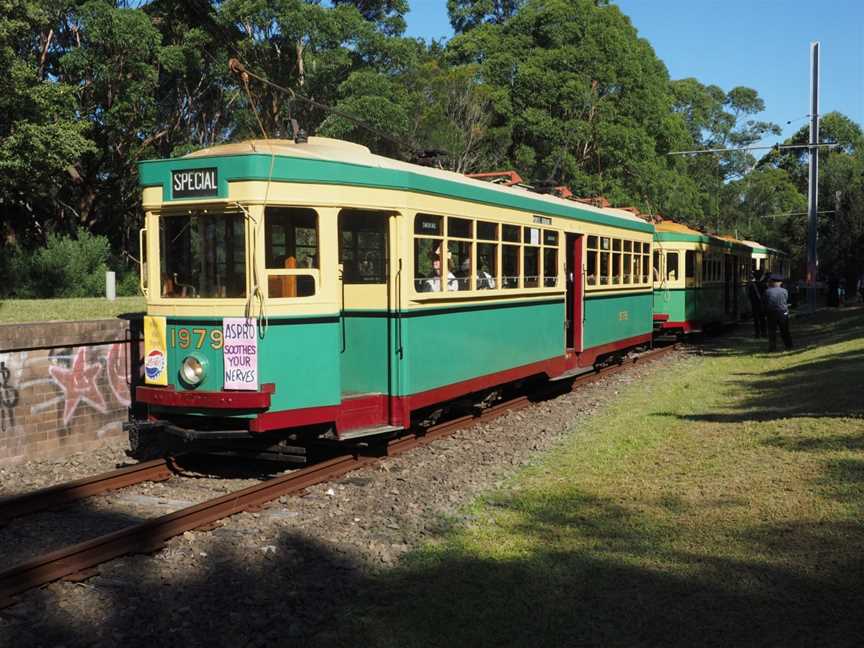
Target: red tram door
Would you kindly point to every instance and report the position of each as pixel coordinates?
(574, 270)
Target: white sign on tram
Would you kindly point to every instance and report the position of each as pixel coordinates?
(240, 353)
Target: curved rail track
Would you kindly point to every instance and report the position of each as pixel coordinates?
(151, 535)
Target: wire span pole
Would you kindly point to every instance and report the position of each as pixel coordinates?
(813, 180)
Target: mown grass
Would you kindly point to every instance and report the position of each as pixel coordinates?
(718, 503)
(43, 310)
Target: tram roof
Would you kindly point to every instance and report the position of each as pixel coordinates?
(762, 249)
(678, 232)
(324, 160)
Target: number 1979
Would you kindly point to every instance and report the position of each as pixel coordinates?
(185, 338)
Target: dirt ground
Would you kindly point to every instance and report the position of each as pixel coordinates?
(279, 576)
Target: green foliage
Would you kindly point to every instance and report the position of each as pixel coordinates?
(70, 267)
(40, 134)
(467, 14)
(128, 283)
(15, 271)
(564, 91)
(583, 100)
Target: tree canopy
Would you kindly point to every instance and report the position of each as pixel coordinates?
(564, 91)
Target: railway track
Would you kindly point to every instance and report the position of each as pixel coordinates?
(151, 535)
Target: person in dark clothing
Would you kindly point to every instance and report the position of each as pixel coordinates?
(777, 313)
(756, 305)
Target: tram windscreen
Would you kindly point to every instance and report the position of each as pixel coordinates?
(202, 255)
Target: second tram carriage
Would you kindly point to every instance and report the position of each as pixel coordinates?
(699, 279)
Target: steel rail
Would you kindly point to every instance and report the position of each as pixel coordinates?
(62, 494)
(151, 535)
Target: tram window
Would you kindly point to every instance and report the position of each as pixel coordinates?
(591, 263)
(290, 243)
(531, 263)
(460, 227)
(510, 265)
(363, 237)
(511, 233)
(671, 266)
(487, 265)
(628, 263)
(550, 237)
(202, 255)
(427, 265)
(637, 268)
(616, 261)
(487, 231)
(531, 236)
(459, 265)
(690, 264)
(646, 252)
(550, 267)
(604, 267)
(656, 265)
(291, 233)
(428, 225)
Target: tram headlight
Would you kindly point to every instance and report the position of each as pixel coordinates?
(192, 370)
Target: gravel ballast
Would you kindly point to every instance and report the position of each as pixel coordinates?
(277, 576)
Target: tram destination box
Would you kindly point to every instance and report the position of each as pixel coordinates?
(194, 183)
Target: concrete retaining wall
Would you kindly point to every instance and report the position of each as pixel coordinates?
(64, 386)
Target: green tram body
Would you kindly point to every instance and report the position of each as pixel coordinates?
(701, 280)
(366, 357)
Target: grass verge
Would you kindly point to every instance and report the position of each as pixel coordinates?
(43, 310)
(719, 502)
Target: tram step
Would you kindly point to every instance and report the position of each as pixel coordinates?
(572, 373)
(368, 431)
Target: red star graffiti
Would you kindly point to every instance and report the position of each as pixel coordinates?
(79, 383)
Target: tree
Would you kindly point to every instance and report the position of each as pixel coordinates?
(40, 134)
(467, 14)
(781, 177)
(583, 100)
(430, 107)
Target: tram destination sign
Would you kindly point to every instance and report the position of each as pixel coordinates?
(194, 183)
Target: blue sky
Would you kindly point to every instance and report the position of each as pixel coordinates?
(763, 44)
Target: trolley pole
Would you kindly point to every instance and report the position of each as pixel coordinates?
(813, 181)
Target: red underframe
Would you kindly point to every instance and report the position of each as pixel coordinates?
(168, 396)
(370, 411)
(686, 326)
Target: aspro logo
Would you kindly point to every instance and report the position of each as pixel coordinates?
(154, 364)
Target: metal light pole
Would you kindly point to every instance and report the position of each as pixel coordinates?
(813, 182)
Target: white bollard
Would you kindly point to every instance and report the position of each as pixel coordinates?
(110, 286)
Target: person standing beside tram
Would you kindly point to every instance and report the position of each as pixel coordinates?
(754, 294)
(777, 313)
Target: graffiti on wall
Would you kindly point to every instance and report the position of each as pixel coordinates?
(80, 377)
(79, 384)
(8, 399)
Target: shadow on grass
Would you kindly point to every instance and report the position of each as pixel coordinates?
(808, 332)
(628, 582)
(828, 386)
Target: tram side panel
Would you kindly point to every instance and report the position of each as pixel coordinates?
(614, 322)
(446, 346)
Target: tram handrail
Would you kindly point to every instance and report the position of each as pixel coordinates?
(142, 267)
